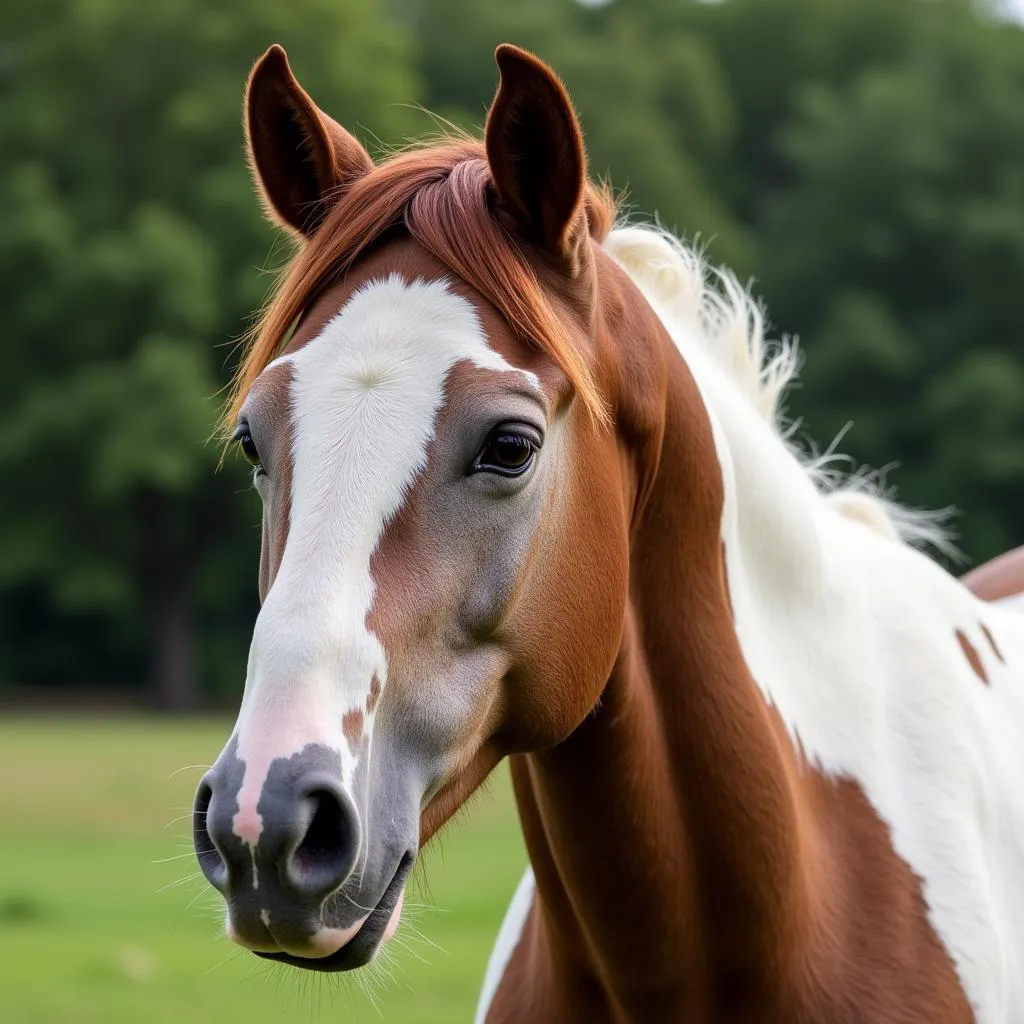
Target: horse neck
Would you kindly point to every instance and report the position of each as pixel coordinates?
(665, 833)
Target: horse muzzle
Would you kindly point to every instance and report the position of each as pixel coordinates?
(285, 863)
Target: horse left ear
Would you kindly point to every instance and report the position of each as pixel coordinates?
(535, 152)
(302, 160)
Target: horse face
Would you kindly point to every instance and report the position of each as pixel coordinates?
(442, 575)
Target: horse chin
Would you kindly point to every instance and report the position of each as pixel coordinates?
(379, 926)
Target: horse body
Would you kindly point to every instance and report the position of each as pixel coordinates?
(894, 697)
(1001, 579)
(524, 495)
(895, 684)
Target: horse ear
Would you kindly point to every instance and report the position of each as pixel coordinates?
(301, 159)
(535, 152)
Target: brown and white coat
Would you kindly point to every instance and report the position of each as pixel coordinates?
(524, 496)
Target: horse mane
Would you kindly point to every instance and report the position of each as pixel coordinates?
(441, 194)
(712, 306)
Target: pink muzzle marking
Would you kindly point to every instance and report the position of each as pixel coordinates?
(247, 824)
(323, 943)
(395, 919)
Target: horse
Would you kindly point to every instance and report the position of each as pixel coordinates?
(527, 494)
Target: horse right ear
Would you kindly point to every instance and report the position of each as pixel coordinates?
(302, 160)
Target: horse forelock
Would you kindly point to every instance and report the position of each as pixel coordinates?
(441, 194)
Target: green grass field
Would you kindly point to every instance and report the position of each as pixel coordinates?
(98, 925)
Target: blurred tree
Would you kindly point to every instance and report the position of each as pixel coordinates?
(894, 245)
(864, 158)
(129, 236)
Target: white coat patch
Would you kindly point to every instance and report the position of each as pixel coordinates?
(505, 945)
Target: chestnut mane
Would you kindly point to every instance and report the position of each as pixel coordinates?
(439, 193)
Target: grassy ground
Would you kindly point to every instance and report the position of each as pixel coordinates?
(97, 926)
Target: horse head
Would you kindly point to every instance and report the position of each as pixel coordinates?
(446, 508)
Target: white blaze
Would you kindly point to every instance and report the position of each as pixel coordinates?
(365, 396)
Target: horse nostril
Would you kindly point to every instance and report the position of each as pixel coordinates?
(327, 852)
(210, 860)
(303, 847)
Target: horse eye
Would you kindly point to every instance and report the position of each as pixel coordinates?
(507, 453)
(248, 446)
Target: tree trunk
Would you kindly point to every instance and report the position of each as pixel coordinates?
(174, 664)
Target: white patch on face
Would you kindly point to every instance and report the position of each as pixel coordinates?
(365, 396)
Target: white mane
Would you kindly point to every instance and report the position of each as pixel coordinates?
(711, 304)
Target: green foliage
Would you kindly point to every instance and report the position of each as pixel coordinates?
(897, 246)
(130, 257)
(863, 158)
